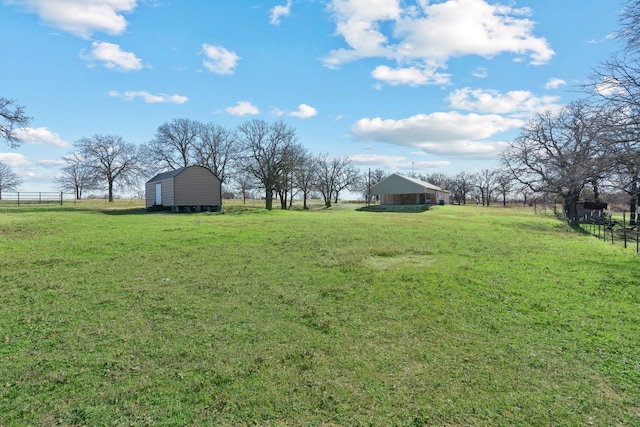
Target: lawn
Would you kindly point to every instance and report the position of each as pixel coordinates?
(453, 316)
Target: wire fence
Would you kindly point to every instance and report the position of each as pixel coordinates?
(614, 227)
(35, 198)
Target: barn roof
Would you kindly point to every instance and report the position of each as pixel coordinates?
(165, 175)
(400, 184)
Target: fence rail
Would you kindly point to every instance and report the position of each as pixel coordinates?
(35, 198)
(616, 228)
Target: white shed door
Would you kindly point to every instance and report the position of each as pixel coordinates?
(159, 194)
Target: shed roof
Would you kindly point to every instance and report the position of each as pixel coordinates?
(168, 174)
(400, 184)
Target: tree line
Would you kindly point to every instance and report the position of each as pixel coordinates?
(256, 154)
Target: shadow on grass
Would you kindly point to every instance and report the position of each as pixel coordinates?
(395, 208)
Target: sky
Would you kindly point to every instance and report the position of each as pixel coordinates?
(420, 86)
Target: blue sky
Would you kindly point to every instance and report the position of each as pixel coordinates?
(428, 86)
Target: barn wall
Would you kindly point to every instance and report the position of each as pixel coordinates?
(197, 186)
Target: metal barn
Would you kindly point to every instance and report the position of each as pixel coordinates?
(398, 189)
(188, 189)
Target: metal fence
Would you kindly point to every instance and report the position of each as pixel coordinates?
(614, 227)
(35, 198)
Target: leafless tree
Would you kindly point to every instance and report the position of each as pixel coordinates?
(559, 153)
(304, 176)
(486, 184)
(9, 180)
(173, 146)
(266, 151)
(334, 174)
(12, 117)
(350, 179)
(76, 175)
(461, 186)
(504, 183)
(112, 160)
(215, 148)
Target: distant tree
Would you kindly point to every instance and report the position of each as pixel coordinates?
(504, 184)
(215, 148)
(12, 117)
(559, 153)
(9, 180)
(111, 159)
(486, 183)
(245, 183)
(266, 153)
(439, 179)
(334, 175)
(76, 176)
(173, 146)
(350, 179)
(304, 176)
(461, 186)
(285, 187)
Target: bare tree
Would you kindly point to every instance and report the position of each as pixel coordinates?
(350, 179)
(504, 184)
(461, 186)
(112, 160)
(76, 175)
(295, 155)
(12, 117)
(486, 183)
(173, 146)
(304, 175)
(266, 152)
(215, 148)
(333, 174)
(559, 153)
(9, 180)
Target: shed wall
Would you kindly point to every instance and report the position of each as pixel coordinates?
(167, 192)
(197, 186)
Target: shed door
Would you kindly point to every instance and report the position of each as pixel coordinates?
(159, 194)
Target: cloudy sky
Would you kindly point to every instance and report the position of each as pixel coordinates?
(422, 85)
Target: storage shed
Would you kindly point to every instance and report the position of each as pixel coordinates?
(188, 189)
(398, 189)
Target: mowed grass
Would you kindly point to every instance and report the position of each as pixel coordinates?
(454, 316)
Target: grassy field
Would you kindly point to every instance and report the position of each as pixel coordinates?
(453, 316)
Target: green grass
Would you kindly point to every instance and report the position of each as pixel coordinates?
(453, 316)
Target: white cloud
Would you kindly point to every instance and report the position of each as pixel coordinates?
(279, 11)
(149, 98)
(219, 60)
(431, 33)
(14, 160)
(82, 17)
(519, 102)
(243, 108)
(304, 112)
(113, 57)
(412, 76)
(440, 133)
(480, 73)
(555, 83)
(41, 136)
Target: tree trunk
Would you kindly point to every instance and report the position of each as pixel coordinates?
(268, 199)
(110, 191)
(570, 206)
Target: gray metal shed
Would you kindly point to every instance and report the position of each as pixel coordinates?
(188, 189)
(398, 189)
